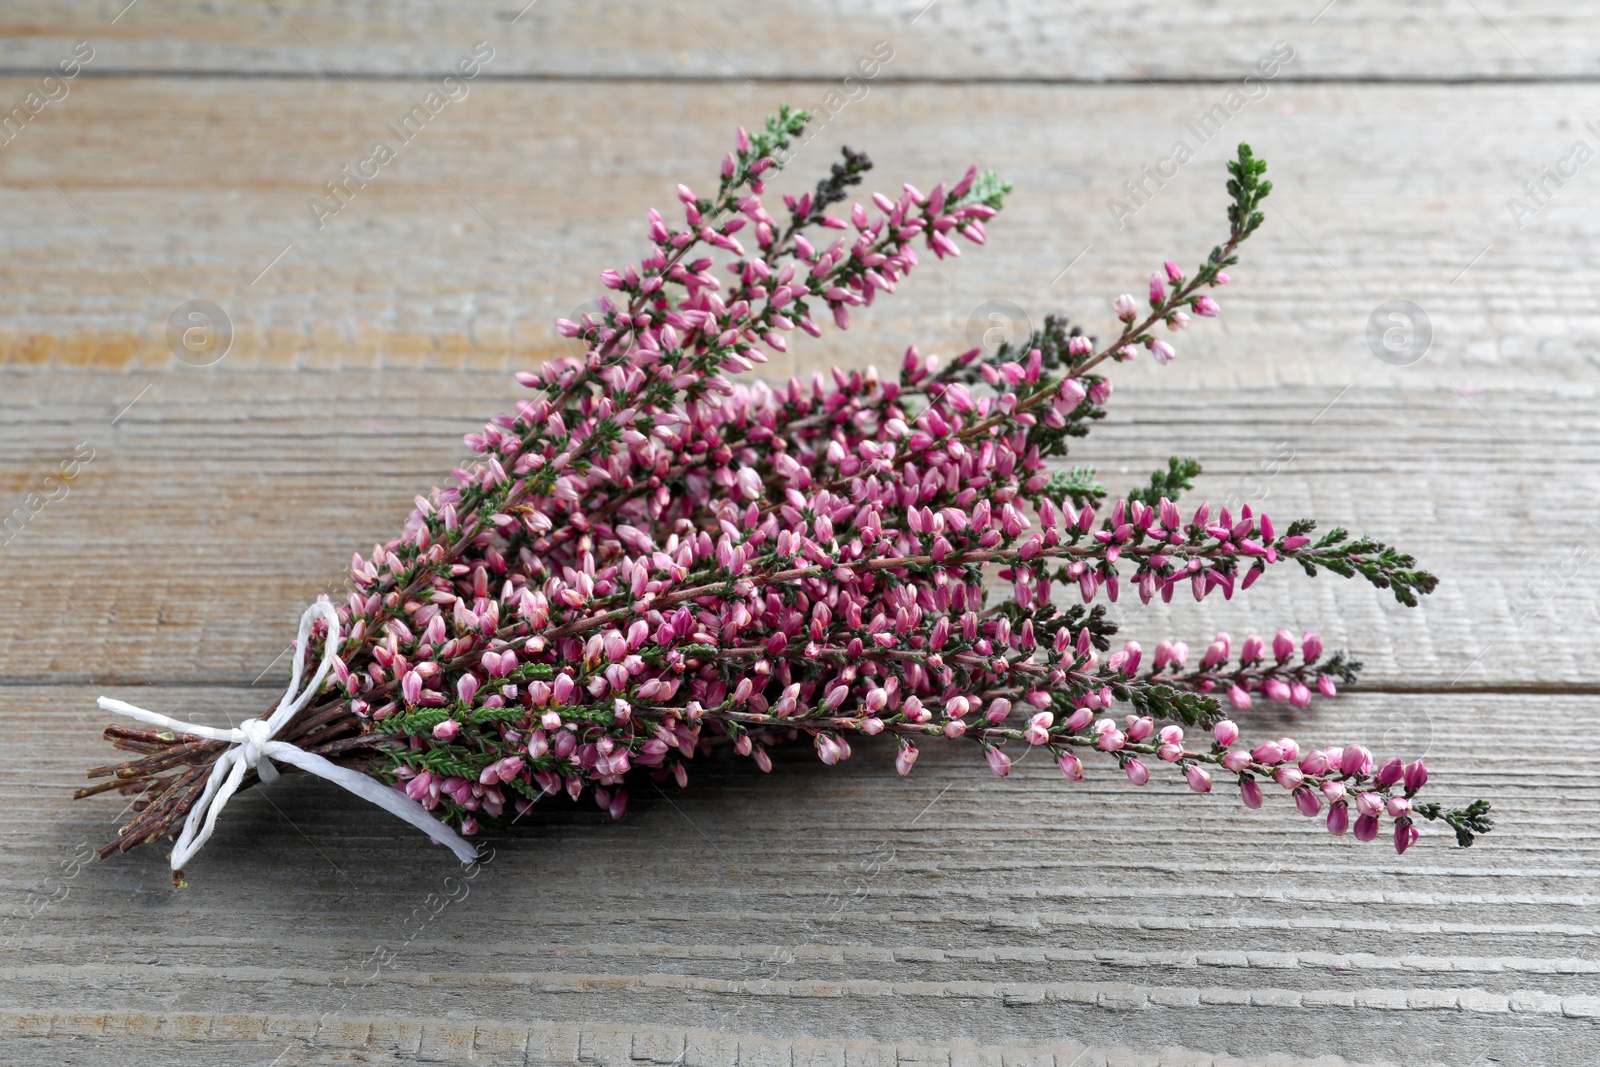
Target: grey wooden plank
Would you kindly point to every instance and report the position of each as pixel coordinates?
(1095, 40)
(839, 904)
(171, 190)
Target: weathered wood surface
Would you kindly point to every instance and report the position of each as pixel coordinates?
(827, 916)
(846, 904)
(957, 40)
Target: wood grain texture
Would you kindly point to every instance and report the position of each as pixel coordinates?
(132, 196)
(958, 40)
(1023, 912)
(817, 916)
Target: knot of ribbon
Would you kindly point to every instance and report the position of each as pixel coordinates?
(255, 747)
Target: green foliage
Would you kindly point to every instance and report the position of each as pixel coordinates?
(1180, 475)
(835, 187)
(1467, 822)
(987, 189)
(1077, 485)
(778, 131)
(532, 672)
(1384, 567)
(1166, 702)
(1047, 621)
(1247, 190)
(1340, 666)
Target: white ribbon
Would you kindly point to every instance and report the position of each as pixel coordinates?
(256, 749)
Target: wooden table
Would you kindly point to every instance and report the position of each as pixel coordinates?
(819, 915)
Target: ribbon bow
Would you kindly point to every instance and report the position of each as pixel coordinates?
(256, 749)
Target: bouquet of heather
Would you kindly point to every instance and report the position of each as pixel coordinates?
(650, 558)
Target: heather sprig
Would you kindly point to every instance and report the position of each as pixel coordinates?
(653, 556)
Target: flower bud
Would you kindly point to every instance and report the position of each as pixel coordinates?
(1416, 776)
(1390, 773)
(904, 759)
(1225, 732)
(1308, 802)
(1137, 772)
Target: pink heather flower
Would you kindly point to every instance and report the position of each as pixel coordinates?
(1163, 352)
(1326, 687)
(1405, 835)
(1275, 689)
(1174, 272)
(1225, 732)
(1390, 773)
(1288, 777)
(1158, 292)
(1398, 806)
(1236, 759)
(1310, 647)
(1283, 645)
(1170, 753)
(1071, 767)
(1251, 650)
(1416, 776)
(1125, 308)
(1171, 735)
(1369, 803)
(1206, 307)
(1137, 772)
(999, 762)
(411, 687)
(905, 758)
(1038, 731)
(1299, 695)
(1308, 802)
(467, 687)
(1314, 762)
(1356, 761)
(1366, 828)
(1238, 698)
(447, 730)
(1338, 819)
(1077, 720)
(1141, 728)
(1199, 778)
(955, 728)
(1250, 793)
(1111, 741)
(1289, 747)
(1267, 752)
(872, 726)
